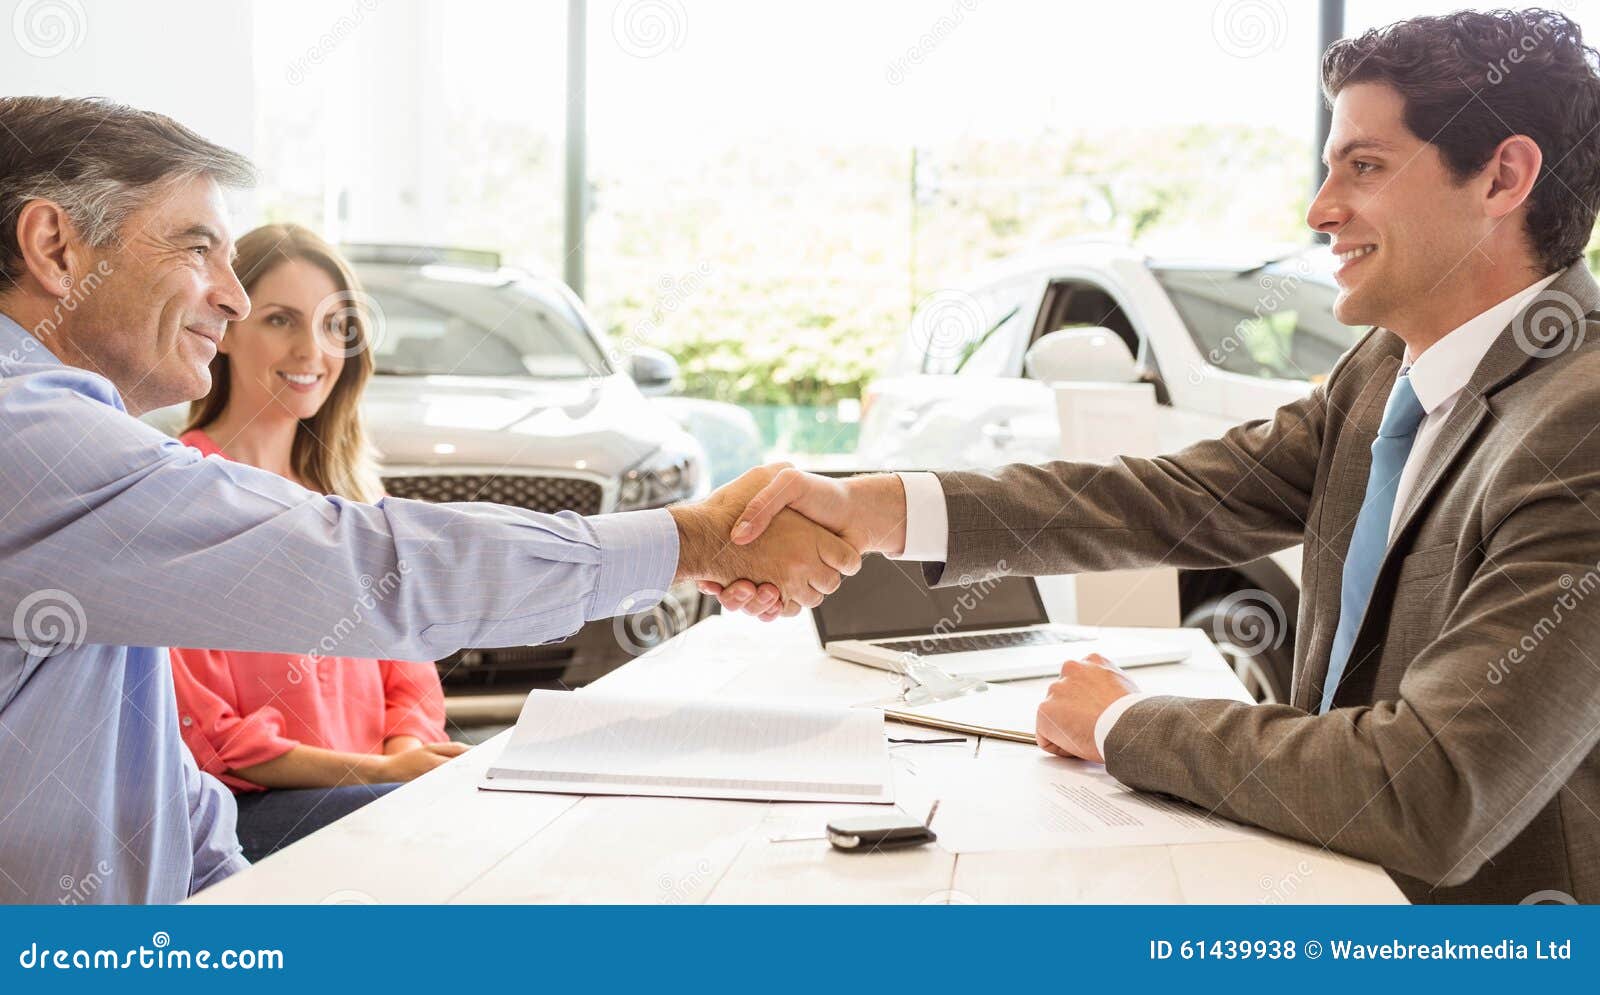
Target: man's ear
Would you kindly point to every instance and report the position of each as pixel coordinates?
(1512, 171)
(51, 249)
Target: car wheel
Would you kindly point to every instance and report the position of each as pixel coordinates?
(1252, 633)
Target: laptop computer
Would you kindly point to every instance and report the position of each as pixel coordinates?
(996, 629)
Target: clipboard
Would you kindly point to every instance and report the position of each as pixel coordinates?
(999, 712)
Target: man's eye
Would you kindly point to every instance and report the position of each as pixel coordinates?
(200, 249)
(1363, 168)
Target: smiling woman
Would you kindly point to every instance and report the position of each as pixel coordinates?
(294, 370)
(327, 733)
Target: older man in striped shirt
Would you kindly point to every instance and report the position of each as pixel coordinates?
(115, 541)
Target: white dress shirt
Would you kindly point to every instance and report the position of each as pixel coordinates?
(1438, 376)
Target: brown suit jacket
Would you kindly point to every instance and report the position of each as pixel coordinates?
(1462, 755)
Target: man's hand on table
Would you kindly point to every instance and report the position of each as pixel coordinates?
(795, 561)
(868, 512)
(1073, 706)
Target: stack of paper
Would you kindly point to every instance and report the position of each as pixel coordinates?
(599, 743)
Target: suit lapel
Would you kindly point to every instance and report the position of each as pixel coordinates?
(1565, 301)
(1557, 311)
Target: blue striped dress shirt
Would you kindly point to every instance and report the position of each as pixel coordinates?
(116, 541)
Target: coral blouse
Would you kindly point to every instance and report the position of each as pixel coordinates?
(238, 709)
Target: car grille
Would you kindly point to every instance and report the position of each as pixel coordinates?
(547, 494)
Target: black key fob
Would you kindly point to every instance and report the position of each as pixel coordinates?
(878, 832)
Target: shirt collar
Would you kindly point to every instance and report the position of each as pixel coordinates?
(17, 345)
(1443, 370)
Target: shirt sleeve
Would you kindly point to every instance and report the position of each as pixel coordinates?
(1113, 712)
(927, 522)
(213, 819)
(413, 700)
(220, 738)
(159, 546)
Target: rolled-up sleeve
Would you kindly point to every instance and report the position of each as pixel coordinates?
(413, 700)
(218, 734)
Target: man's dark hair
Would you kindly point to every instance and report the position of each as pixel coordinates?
(99, 161)
(1471, 80)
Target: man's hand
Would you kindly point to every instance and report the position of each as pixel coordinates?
(795, 560)
(868, 512)
(1068, 714)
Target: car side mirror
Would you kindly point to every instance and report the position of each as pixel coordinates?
(1084, 355)
(654, 371)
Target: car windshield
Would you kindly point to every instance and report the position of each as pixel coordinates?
(438, 325)
(978, 324)
(1274, 322)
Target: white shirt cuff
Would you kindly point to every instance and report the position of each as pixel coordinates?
(927, 522)
(1113, 712)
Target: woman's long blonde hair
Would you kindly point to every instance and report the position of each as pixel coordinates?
(331, 453)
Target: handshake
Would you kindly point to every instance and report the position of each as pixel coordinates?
(777, 540)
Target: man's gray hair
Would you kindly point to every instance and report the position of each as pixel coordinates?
(99, 161)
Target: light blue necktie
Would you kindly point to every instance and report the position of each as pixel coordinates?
(1368, 543)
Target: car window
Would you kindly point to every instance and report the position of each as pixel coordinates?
(973, 334)
(1274, 323)
(432, 326)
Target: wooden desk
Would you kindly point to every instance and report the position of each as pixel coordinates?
(440, 839)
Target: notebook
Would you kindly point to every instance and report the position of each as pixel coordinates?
(604, 743)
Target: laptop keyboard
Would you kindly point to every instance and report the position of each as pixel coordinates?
(936, 645)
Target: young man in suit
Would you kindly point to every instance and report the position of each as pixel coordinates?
(1444, 480)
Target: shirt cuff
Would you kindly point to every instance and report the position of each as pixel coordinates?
(927, 521)
(1113, 712)
(638, 559)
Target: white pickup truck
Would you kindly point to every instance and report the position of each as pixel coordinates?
(1222, 341)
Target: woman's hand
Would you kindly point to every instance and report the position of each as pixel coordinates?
(416, 762)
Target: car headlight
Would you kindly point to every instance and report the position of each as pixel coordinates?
(663, 479)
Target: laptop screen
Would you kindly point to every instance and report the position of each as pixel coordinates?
(889, 598)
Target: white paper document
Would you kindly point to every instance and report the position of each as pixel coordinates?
(595, 743)
(1046, 802)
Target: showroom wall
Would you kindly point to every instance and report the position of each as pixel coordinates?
(195, 64)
